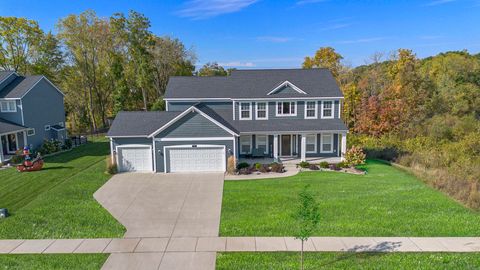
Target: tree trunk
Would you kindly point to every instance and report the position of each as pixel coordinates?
(144, 94)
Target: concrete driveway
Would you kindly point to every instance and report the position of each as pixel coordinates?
(164, 205)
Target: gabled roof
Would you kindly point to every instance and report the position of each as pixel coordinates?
(256, 83)
(21, 85)
(139, 124)
(286, 84)
(9, 127)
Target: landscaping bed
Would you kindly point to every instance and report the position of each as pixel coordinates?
(50, 261)
(384, 202)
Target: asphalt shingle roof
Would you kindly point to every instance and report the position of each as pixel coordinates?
(19, 86)
(139, 123)
(9, 127)
(5, 74)
(255, 84)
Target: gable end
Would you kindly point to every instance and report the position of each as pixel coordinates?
(286, 84)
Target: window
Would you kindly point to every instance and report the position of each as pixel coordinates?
(47, 127)
(311, 109)
(261, 143)
(8, 106)
(262, 111)
(327, 143)
(286, 108)
(245, 144)
(311, 145)
(327, 109)
(245, 111)
(31, 132)
(61, 124)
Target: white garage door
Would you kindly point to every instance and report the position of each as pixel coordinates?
(193, 159)
(135, 159)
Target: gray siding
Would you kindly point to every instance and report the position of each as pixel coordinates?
(160, 155)
(15, 117)
(193, 125)
(43, 105)
(182, 106)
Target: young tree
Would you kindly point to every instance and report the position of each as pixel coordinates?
(307, 217)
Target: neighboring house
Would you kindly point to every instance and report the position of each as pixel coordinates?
(31, 111)
(290, 113)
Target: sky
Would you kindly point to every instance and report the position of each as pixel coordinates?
(280, 33)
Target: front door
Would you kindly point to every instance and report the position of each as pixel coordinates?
(12, 143)
(3, 140)
(286, 145)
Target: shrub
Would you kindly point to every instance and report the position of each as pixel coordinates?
(313, 167)
(245, 170)
(231, 165)
(277, 167)
(258, 166)
(333, 167)
(342, 164)
(242, 165)
(49, 147)
(264, 168)
(354, 156)
(111, 166)
(67, 144)
(304, 164)
(323, 164)
(17, 159)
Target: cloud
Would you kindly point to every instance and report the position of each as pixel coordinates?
(274, 39)
(361, 40)
(438, 2)
(306, 2)
(237, 64)
(203, 9)
(335, 26)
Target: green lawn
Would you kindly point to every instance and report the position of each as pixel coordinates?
(385, 202)
(290, 260)
(58, 202)
(49, 261)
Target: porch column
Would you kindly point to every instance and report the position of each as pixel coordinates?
(303, 148)
(112, 154)
(275, 146)
(25, 143)
(1, 150)
(344, 145)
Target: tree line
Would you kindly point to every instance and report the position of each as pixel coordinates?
(421, 113)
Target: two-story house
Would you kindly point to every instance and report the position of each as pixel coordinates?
(31, 111)
(277, 114)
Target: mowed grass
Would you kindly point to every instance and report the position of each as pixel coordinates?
(385, 202)
(49, 261)
(291, 260)
(58, 202)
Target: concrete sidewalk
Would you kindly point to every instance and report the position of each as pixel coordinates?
(246, 244)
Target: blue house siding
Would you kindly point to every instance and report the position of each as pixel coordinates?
(15, 117)
(183, 105)
(161, 155)
(193, 125)
(42, 106)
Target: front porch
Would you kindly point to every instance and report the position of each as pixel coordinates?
(10, 143)
(292, 148)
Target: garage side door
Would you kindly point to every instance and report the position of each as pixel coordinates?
(135, 159)
(211, 159)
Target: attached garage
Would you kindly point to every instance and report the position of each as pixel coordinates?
(195, 158)
(134, 158)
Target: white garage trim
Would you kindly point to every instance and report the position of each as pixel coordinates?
(224, 160)
(119, 147)
(196, 139)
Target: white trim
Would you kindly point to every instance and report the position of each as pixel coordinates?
(316, 110)
(112, 152)
(131, 136)
(47, 127)
(189, 110)
(315, 144)
(290, 132)
(287, 98)
(57, 129)
(154, 151)
(321, 142)
(333, 110)
(39, 80)
(8, 103)
(134, 146)
(15, 131)
(240, 143)
(249, 111)
(286, 115)
(166, 105)
(23, 120)
(9, 76)
(256, 111)
(233, 110)
(195, 139)
(266, 142)
(286, 83)
(224, 158)
(25, 142)
(339, 109)
(29, 130)
(241, 99)
(197, 99)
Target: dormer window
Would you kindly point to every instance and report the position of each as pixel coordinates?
(327, 109)
(288, 108)
(8, 106)
(245, 111)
